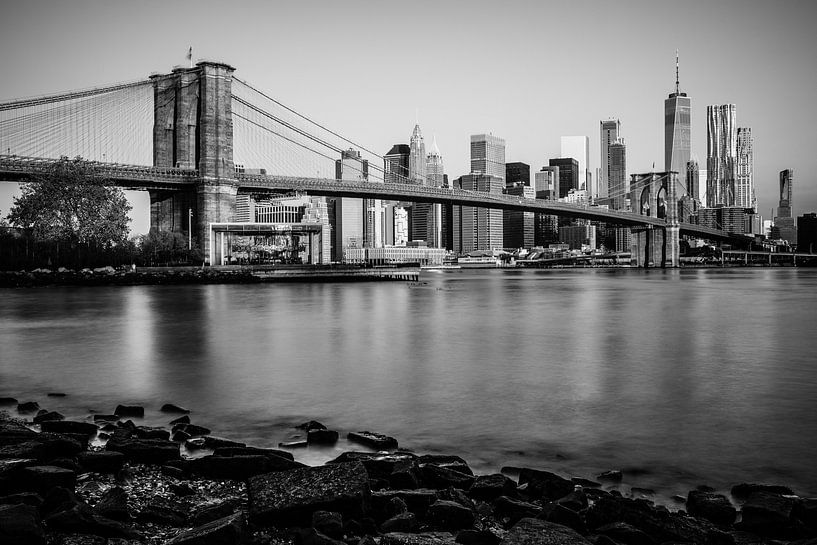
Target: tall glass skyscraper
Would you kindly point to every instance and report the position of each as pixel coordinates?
(784, 206)
(610, 131)
(745, 182)
(488, 155)
(578, 148)
(677, 129)
(618, 175)
(721, 155)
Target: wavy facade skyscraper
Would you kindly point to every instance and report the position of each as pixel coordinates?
(721, 155)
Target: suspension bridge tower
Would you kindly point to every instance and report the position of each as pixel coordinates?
(655, 194)
(193, 129)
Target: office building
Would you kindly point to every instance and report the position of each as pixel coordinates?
(347, 216)
(518, 226)
(578, 237)
(568, 174)
(516, 173)
(610, 132)
(488, 155)
(744, 175)
(546, 183)
(478, 228)
(426, 218)
(396, 164)
(784, 226)
(721, 155)
(677, 129)
(578, 148)
(618, 188)
(807, 233)
(417, 157)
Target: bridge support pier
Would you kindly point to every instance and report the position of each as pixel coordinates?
(169, 210)
(215, 204)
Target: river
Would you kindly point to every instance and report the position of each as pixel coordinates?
(679, 377)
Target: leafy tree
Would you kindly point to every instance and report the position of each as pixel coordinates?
(68, 208)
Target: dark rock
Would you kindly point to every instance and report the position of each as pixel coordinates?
(77, 517)
(613, 475)
(65, 463)
(114, 504)
(126, 425)
(217, 442)
(544, 484)
(26, 498)
(181, 420)
(435, 476)
(404, 479)
(512, 511)
(447, 461)
(182, 489)
(311, 425)
(28, 407)
(805, 510)
(42, 447)
(239, 468)
(376, 441)
(458, 496)
(328, 523)
(744, 490)
(559, 514)
(55, 394)
(397, 506)
(416, 501)
(180, 437)
(145, 432)
(478, 537)
(192, 429)
(104, 461)
(637, 490)
(130, 410)
(45, 416)
(585, 483)
(164, 511)
(8, 401)
(769, 515)
(225, 531)
(146, 451)
(321, 437)
(713, 507)
(108, 428)
(106, 418)
(623, 533)
(69, 426)
(428, 538)
(288, 498)
(211, 512)
(448, 515)
(20, 525)
(171, 408)
(246, 451)
(172, 471)
(489, 487)
(529, 531)
(575, 501)
(401, 522)
(44, 478)
(293, 444)
(310, 536)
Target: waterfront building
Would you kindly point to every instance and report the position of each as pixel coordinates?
(516, 173)
(568, 174)
(807, 233)
(610, 133)
(518, 226)
(391, 255)
(677, 129)
(784, 226)
(721, 155)
(578, 237)
(488, 155)
(477, 228)
(618, 188)
(744, 171)
(578, 148)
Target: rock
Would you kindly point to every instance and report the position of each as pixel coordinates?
(42, 447)
(713, 507)
(289, 498)
(328, 523)
(744, 490)
(529, 531)
(613, 475)
(321, 437)
(575, 501)
(559, 514)
(210, 512)
(478, 537)
(114, 504)
(175, 472)
(20, 525)
(11, 473)
(181, 420)
(585, 483)
(214, 442)
(245, 451)
(182, 489)
(225, 531)
(512, 511)
(180, 437)
(77, 517)
(311, 425)
(8, 401)
(44, 478)
(769, 515)
(69, 426)
(26, 498)
(164, 511)
(428, 538)
(543, 484)
(623, 533)
(145, 451)
(489, 487)
(447, 461)
(106, 418)
(171, 408)
(145, 432)
(448, 515)
(55, 394)
(191, 429)
(416, 501)
(28, 407)
(401, 522)
(434, 476)
(65, 463)
(310, 536)
(805, 510)
(293, 444)
(130, 410)
(376, 441)
(239, 468)
(48, 415)
(103, 461)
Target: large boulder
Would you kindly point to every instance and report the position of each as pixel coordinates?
(744, 490)
(114, 504)
(42, 447)
(130, 410)
(529, 531)
(377, 441)
(247, 451)
(69, 426)
(401, 522)
(192, 430)
(428, 538)
(436, 476)
(621, 532)
(67, 514)
(225, 531)
(417, 501)
(288, 498)
(713, 507)
(43, 478)
(449, 515)
(20, 525)
(145, 451)
(239, 468)
(490, 487)
(511, 511)
(102, 461)
(45, 416)
(328, 523)
(171, 408)
(448, 461)
(321, 437)
(770, 515)
(544, 484)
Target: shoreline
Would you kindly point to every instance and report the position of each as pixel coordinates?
(115, 478)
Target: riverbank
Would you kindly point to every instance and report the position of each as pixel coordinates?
(108, 476)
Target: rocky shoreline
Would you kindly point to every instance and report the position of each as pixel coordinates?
(105, 479)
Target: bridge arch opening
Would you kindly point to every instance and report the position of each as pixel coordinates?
(645, 202)
(661, 203)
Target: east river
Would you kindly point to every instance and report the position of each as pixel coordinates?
(678, 377)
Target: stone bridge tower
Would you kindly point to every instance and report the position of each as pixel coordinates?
(655, 194)
(193, 129)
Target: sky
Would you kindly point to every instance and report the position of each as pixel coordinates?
(528, 71)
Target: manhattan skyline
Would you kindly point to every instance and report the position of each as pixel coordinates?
(301, 54)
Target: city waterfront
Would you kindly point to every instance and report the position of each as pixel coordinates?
(675, 376)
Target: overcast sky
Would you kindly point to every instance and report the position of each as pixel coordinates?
(528, 71)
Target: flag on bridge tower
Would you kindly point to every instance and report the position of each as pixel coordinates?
(190, 56)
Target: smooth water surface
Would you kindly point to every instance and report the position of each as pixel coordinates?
(679, 377)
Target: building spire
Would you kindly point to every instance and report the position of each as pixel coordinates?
(677, 85)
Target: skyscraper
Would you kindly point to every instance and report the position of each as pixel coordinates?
(428, 217)
(578, 147)
(677, 132)
(618, 188)
(417, 157)
(721, 155)
(396, 164)
(517, 173)
(744, 181)
(568, 175)
(610, 131)
(347, 221)
(477, 228)
(784, 221)
(488, 155)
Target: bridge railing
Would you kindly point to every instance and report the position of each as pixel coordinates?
(25, 165)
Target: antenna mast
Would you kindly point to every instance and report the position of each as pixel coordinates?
(677, 86)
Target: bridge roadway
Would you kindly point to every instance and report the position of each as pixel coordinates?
(15, 168)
